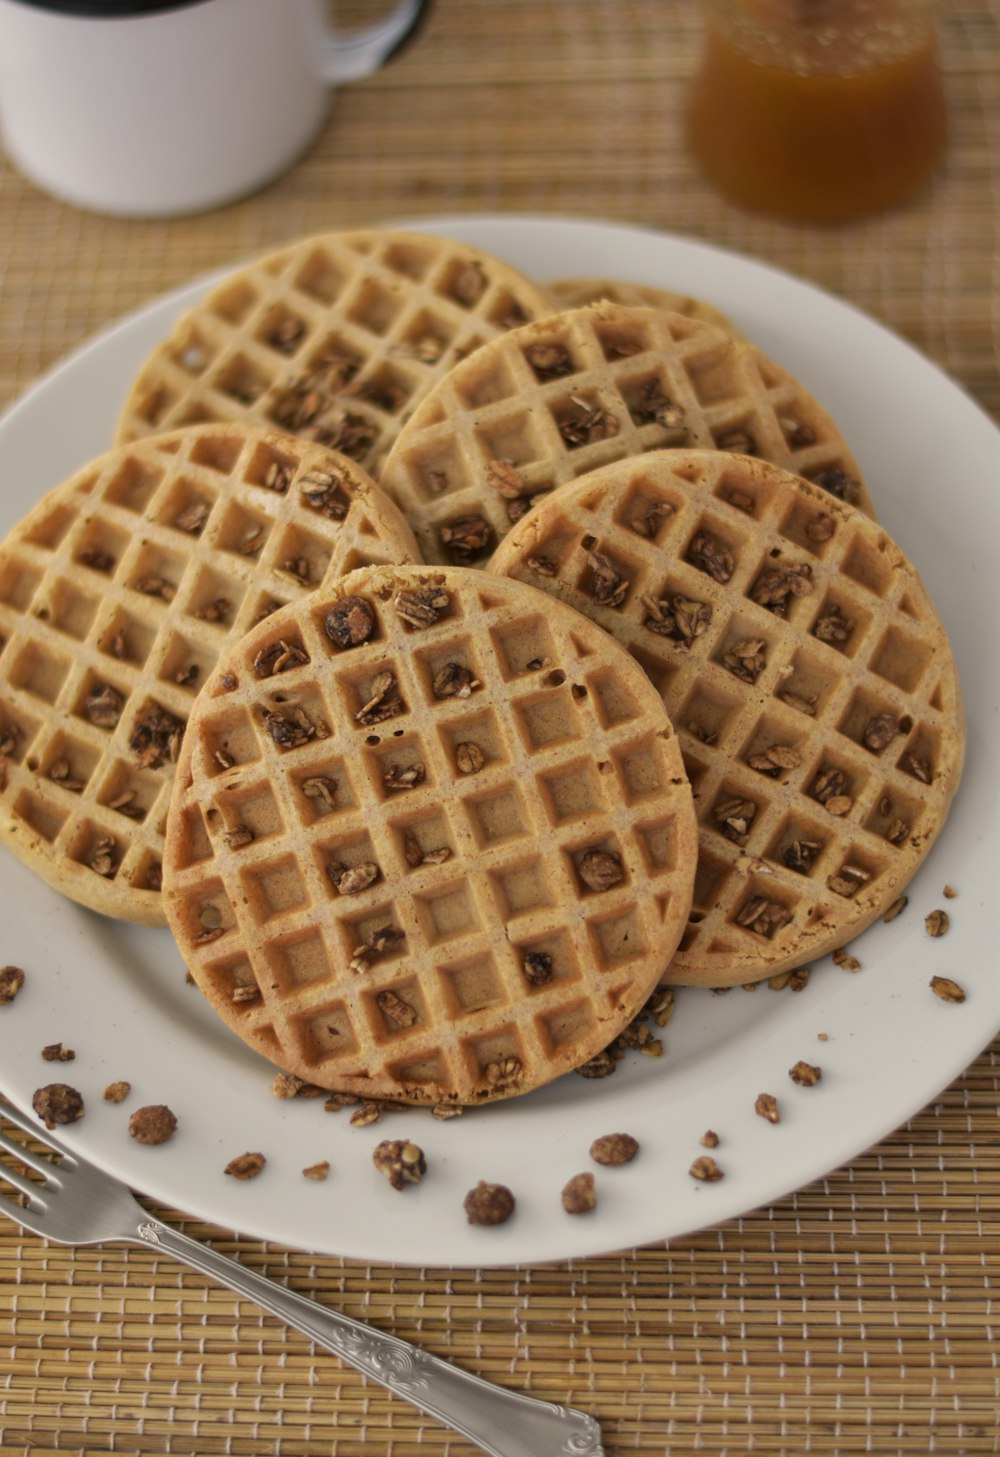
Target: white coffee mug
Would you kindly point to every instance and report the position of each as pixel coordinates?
(152, 108)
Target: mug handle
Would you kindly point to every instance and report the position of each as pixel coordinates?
(349, 55)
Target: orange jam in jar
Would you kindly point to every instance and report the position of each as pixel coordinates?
(819, 110)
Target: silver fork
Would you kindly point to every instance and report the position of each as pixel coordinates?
(78, 1204)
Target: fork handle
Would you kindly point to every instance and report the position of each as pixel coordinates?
(503, 1423)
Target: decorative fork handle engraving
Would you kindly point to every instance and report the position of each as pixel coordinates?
(503, 1423)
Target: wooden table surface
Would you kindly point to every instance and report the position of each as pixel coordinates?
(852, 1317)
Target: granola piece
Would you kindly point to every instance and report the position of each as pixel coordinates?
(245, 1166)
(647, 523)
(607, 586)
(278, 658)
(777, 587)
(579, 1195)
(949, 892)
(804, 1074)
(317, 1172)
(104, 857)
(154, 585)
(117, 1092)
(837, 482)
(384, 700)
(154, 1123)
(56, 1052)
(58, 1104)
(897, 908)
(848, 880)
(613, 1149)
(600, 869)
(708, 553)
(397, 779)
(766, 1106)
(709, 1139)
(324, 493)
(706, 1169)
(798, 979)
(775, 760)
(800, 854)
(97, 560)
(350, 623)
(454, 681)
(287, 1085)
(587, 424)
(937, 923)
(386, 938)
(443, 1112)
(841, 957)
(537, 967)
(734, 817)
(746, 659)
(289, 730)
(469, 284)
(834, 626)
(238, 837)
(466, 538)
(681, 618)
(820, 528)
(601, 1065)
(652, 405)
(946, 989)
(422, 606)
(763, 917)
(549, 360)
(156, 738)
(740, 442)
(505, 479)
(11, 981)
(489, 1203)
(370, 1112)
(401, 1162)
(503, 1074)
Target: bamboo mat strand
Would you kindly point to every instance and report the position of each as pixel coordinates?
(856, 1316)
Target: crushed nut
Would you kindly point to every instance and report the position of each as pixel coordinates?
(397, 1011)
(370, 1112)
(766, 1106)
(805, 1074)
(936, 923)
(612, 1149)
(880, 731)
(246, 1166)
(11, 981)
(117, 1092)
(798, 979)
(579, 1195)
(600, 869)
(104, 705)
(842, 958)
(946, 989)
(949, 892)
(322, 787)
(469, 758)
(705, 1169)
(351, 880)
(317, 1172)
(58, 1104)
(775, 759)
(153, 1124)
(56, 1052)
(386, 938)
(505, 479)
(489, 1203)
(350, 622)
(401, 1162)
(709, 1139)
(287, 1085)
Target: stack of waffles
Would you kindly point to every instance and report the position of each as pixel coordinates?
(451, 662)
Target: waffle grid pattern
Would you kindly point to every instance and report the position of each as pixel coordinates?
(132, 577)
(336, 337)
(576, 756)
(895, 661)
(625, 366)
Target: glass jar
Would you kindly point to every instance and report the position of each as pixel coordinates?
(819, 110)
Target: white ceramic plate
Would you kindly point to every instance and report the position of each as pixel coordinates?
(117, 994)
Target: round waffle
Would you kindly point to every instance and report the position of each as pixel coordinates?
(809, 679)
(117, 593)
(446, 857)
(559, 397)
(574, 293)
(335, 338)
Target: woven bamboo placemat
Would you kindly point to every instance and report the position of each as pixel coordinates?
(855, 1316)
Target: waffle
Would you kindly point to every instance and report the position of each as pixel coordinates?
(450, 860)
(562, 396)
(575, 293)
(822, 733)
(117, 593)
(335, 338)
